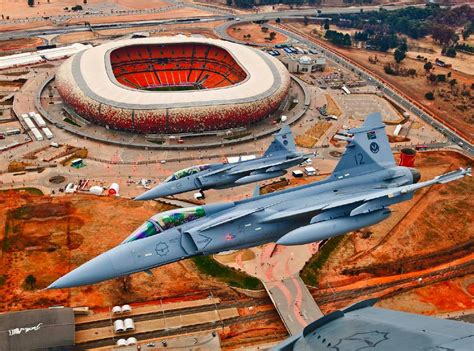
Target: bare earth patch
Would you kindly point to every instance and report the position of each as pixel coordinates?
(257, 36)
(312, 135)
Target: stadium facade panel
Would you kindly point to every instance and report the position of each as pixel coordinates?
(172, 84)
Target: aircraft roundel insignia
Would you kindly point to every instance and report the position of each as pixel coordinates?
(374, 147)
(162, 249)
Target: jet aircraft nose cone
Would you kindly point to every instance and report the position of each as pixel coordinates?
(94, 271)
(415, 175)
(158, 191)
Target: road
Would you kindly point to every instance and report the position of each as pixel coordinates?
(6, 35)
(372, 80)
(403, 101)
(278, 268)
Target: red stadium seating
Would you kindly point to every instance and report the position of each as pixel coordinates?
(174, 65)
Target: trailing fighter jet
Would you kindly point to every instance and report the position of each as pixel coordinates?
(364, 327)
(280, 155)
(358, 193)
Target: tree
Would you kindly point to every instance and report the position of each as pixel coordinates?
(444, 35)
(31, 3)
(272, 36)
(450, 52)
(432, 78)
(30, 282)
(428, 66)
(429, 96)
(229, 2)
(399, 55)
(403, 46)
(452, 83)
(326, 24)
(466, 32)
(441, 78)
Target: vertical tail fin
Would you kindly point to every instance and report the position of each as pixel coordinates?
(283, 141)
(368, 150)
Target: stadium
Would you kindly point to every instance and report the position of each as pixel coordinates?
(172, 85)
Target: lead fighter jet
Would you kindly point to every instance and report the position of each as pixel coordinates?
(358, 193)
(280, 155)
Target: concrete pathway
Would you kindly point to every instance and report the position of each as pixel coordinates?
(278, 267)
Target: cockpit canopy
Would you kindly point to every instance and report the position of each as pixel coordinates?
(164, 221)
(187, 172)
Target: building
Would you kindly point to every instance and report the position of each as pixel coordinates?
(304, 64)
(51, 329)
(173, 84)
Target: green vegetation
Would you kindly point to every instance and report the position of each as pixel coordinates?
(338, 38)
(209, 266)
(237, 136)
(310, 273)
(31, 191)
(70, 121)
(429, 96)
(30, 282)
(414, 22)
(173, 88)
(465, 48)
(248, 4)
(379, 29)
(292, 105)
(23, 212)
(400, 53)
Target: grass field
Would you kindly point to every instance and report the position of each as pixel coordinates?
(310, 273)
(209, 266)
(31, 191)
(173, 88)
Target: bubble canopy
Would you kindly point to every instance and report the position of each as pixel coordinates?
(164, 221)
(187, 172)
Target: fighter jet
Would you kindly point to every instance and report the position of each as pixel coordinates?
(363, 327)
(280, 155)
(358, 193)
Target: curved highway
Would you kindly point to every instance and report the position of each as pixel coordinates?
(371, 79)
(219, 16)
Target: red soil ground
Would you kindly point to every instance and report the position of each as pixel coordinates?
(424, 235)
(256, 35)
(47, 237)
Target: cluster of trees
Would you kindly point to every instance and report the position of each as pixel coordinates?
(382, 42)
(338, 38)
(414, 22)
(377, 41)
(465, 47)
(251, 3)
(444, 35)
(397, 70)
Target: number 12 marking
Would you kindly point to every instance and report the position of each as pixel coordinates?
(359, 159)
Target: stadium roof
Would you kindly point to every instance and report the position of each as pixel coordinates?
(92, 72)
(37, 329)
